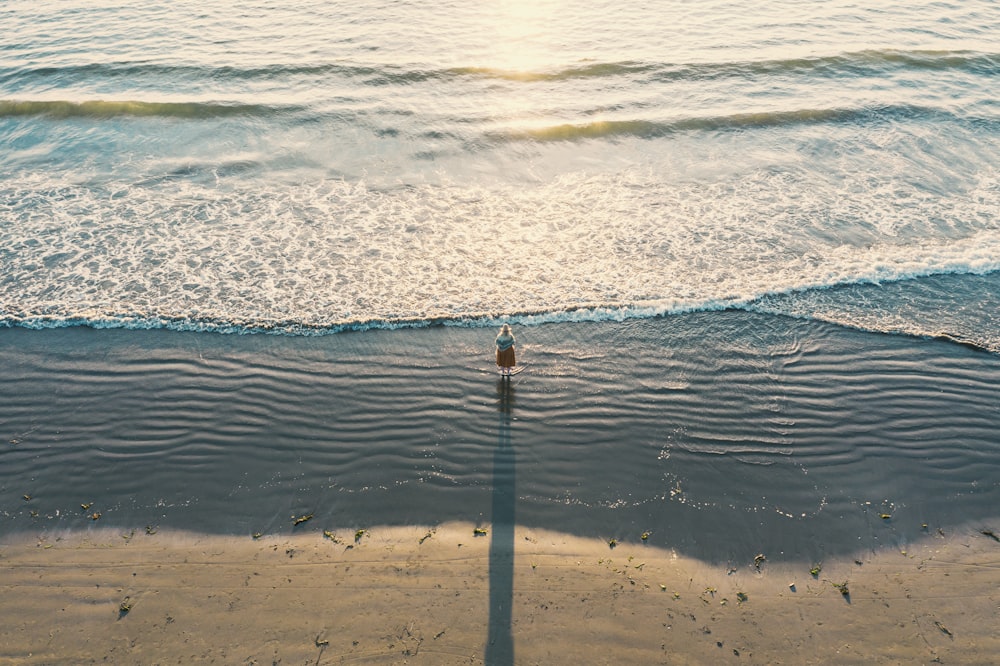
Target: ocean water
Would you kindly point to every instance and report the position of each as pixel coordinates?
(317, 166)
(738, 243)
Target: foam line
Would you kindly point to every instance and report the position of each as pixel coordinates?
(108, 319)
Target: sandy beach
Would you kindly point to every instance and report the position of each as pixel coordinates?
(449, 595)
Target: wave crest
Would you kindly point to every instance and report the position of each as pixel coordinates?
(112, 108)
(647, 129)
(873, 62)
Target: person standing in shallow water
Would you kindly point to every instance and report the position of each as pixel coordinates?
(505, 351)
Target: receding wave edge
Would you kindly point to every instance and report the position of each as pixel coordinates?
(577, 313)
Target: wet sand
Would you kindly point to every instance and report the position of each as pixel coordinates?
(722, 434)
(448, 595)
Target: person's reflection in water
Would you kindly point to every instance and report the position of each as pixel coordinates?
(500, 643)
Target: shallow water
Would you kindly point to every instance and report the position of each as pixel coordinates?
(723, 435)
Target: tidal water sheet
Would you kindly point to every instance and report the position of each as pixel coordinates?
(721, 434)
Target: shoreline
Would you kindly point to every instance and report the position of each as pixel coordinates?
(446, 594)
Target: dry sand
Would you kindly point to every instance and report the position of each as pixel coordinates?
(398, 595)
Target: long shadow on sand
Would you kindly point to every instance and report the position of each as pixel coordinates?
(500, 643)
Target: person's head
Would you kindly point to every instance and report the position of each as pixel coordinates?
(505, 329)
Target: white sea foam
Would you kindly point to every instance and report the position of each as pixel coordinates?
(583, 247)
